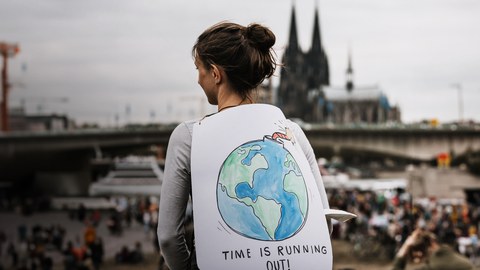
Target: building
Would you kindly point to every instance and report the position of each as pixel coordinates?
(358, 104)
(303, 76)
(132, 175)
(20, 121)
(305, 92)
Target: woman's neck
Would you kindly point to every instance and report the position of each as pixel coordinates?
(229, 98)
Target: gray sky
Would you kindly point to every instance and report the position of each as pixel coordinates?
(106, 55)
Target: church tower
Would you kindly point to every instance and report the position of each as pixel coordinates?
(292, 94)
(303, 75)
(317, 63)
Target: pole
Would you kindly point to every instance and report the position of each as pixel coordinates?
(460, 103)
(458, 86)
(4, 107)
(6, 50)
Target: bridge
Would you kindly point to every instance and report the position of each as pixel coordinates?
(414, 144)
(19, 144)
(67, 155)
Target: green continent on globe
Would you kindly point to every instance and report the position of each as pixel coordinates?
(268, 211)
(261, 192)
(293, 182)
(234, 172)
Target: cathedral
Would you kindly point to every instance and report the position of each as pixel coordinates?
(302, 76)
(305, 92)
(358, 104)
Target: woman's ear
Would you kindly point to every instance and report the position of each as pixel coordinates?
(217, 74)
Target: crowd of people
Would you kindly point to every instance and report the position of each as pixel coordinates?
(23, 205)
(389, 217)
(36, 244)
(40, 246)
(385, 218)
(128, 256)
(29, 252)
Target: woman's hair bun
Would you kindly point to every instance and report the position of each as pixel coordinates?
(259, 36)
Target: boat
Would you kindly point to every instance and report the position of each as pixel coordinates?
(132, 175)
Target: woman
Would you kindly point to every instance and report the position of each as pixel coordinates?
(232, 60)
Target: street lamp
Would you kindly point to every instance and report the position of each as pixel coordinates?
(458, 86)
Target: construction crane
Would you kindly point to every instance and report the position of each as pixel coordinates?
(6, 50)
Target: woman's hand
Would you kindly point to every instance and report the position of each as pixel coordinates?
(403, 251)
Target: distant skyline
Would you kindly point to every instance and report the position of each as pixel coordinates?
(131, 60)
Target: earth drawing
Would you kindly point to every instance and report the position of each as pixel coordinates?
(261, 192)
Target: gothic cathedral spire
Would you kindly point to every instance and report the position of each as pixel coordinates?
(316, 38)
(349, 74)
(317, 59)
(293, 46)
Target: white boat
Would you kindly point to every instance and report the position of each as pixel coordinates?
(365, 184)
(130, 176)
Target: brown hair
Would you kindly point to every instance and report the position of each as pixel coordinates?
(244, 53)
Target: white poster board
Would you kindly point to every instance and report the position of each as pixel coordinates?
(255, 201)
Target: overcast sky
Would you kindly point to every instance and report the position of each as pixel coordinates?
(105, 56)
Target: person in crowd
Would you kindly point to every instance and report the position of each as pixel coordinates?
(136, 255)
(12, 252)
(90, 234)
(58, 234)
(423, 246)
(232, 60)
(3, 239)
(147, 218)
(114, 223)
(69, 260)
(81, 212)
(95, 217)
(46, 262)
(96, 253)
(23, 254)
(123, 256)
(79, 251)
(22, 232)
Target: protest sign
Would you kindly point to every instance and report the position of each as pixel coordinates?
(255, 201)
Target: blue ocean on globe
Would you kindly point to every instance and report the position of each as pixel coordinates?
(261, 192)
